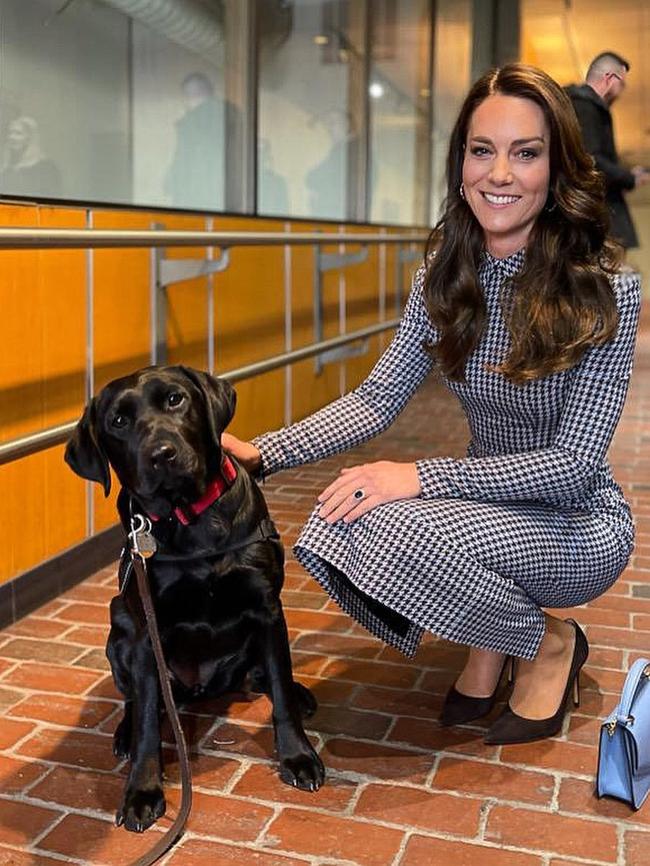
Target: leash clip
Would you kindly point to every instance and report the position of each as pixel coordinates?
(141, 540)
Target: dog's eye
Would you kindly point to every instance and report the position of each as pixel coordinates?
(175, 399)
(119, 421)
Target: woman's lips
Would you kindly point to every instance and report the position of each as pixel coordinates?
(500, 201)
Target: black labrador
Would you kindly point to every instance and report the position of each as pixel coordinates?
(215, 578)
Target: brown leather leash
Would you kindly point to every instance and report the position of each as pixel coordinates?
(141, 545)
(176, 830)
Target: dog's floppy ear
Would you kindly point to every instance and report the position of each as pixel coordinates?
(220, 400)
(83, 453)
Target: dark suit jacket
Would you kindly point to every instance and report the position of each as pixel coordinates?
(598, 133)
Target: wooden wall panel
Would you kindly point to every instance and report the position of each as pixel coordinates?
(187, 323)
(362, 309)
(42, 366)
(41, 384)
(310, 392)
(121, 320)
(249, 325)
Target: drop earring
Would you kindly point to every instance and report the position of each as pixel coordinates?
(461, 191)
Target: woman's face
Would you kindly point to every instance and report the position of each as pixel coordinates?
(506, 170)
(17, 136)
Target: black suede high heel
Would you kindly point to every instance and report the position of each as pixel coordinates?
(511, 728)
(458, 709)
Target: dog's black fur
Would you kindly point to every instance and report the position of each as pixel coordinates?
(220, 618)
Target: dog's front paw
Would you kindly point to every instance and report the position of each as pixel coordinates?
(304, 771)
(140, 809)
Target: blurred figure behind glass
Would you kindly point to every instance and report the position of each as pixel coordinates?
(195, 178)
(26, 170)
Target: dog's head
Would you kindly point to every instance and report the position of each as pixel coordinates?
(160, 429)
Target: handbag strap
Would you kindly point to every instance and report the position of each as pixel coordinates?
(630, 688)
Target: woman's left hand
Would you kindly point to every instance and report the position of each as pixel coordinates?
(359, 489)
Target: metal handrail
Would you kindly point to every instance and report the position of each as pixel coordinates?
(30, 239)
(15, 449)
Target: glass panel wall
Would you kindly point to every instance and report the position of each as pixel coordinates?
(99, 105)
(306, 128)
(64, 107)
(452, 56)
(131, 102)
(400, 120)
(178, 115)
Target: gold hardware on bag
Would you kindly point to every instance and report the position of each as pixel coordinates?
(611, 727)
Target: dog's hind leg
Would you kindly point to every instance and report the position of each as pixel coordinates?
(122, 735)
(307, 703)
(118, 651)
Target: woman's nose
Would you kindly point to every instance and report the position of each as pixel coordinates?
(500, 172)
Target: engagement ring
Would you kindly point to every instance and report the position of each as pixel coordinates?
(359, 494)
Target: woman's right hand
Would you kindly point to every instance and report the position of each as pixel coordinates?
(245, 452)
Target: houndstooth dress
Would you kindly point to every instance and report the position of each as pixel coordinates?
(531, 518)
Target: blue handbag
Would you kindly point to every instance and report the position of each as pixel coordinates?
(624, 752)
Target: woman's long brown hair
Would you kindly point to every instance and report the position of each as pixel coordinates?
(562, 301)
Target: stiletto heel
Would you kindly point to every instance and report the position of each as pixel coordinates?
(511, 728)
(458, 709)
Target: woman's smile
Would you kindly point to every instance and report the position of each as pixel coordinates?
(500, 201)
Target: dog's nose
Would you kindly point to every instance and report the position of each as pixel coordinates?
(162, 455)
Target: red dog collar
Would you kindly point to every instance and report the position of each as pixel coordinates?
(214, 490)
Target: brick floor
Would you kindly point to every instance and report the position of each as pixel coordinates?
(400, 791)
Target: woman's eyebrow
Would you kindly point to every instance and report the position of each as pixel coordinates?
(539, 138)
(516, 142)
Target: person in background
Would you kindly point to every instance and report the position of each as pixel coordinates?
(592, 100)
(273, 192)
(196, 176)
(26, 170)
(523, 311)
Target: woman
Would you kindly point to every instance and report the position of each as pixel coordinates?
(523, 312)
(26, 169)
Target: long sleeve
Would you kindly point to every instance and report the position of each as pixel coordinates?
(370, 408)
(566, 469)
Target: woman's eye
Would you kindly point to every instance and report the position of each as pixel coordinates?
(119, 421)
(528, 154)
(175, 399)
(478, 151)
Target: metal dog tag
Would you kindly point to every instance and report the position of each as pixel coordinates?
(142, 541)
(146, 544)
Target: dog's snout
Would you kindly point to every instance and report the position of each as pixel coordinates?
(162, 455)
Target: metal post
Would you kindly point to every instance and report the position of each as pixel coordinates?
(241, 105)
(334, 262)
(210, 311)
(90, 366)
(158, 306)
(317, 303)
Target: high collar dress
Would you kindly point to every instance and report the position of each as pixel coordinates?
(530, 518)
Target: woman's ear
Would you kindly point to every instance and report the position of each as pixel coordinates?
(84, 455)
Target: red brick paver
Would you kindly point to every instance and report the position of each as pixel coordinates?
(401, 791)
